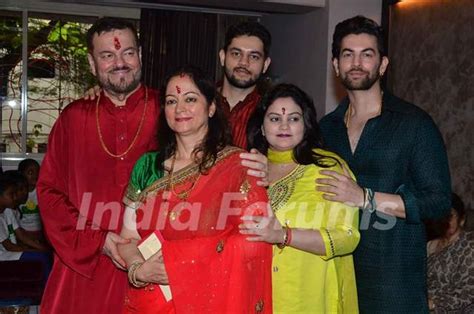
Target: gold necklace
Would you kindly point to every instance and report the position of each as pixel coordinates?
(355, 140)
(102, 143)
(183, 195)
(348, 114)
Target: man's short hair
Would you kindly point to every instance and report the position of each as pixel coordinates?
(357, 25)
(108, 24)
(249, 28)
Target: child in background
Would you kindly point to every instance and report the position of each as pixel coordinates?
(13, 238)
(10, 248)
(30, 217)
(33, 239)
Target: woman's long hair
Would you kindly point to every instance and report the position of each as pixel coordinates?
(218, 134)
(303, 153)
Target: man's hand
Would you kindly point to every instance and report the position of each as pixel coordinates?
(153, 270)
(110, 249)
(341, 188)
(92, 93)
(257, 164)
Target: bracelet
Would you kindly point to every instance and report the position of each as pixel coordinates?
(364, 203)
(372, 206)
(286, 238)
(132, 275)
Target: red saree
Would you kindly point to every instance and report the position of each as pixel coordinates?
(211, 267)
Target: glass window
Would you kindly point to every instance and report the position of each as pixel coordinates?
(10, 72)
(57, 73)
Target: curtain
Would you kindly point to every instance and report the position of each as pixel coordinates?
(172, 38)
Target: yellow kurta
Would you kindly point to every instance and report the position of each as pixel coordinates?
(304, 282)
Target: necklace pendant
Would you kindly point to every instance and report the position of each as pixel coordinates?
(135, 138)
(183, 195)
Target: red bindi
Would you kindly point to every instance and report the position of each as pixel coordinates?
(178, 89)
(117, 44)
(283, 110)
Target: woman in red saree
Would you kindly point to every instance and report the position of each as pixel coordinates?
(194, 192)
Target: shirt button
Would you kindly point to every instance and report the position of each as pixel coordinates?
(121, 158)
(275, 269)
(122, 137)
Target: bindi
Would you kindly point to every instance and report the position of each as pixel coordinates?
(117, 44)
(178, 89)
(283, 110)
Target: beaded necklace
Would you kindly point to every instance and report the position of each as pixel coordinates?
(183, 195)
(102, 143)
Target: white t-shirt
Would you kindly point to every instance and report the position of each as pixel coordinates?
(31, 220)
(8, 225)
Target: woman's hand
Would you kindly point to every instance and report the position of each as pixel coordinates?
(257, 164)
(265, 229)
(153, 270)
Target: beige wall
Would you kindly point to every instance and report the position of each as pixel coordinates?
(299, 52)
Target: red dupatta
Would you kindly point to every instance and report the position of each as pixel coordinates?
(211, 267)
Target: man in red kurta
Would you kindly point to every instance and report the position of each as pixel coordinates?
(92, 149)
(245, 58)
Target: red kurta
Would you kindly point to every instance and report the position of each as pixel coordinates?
(239, 116)
(77, 178)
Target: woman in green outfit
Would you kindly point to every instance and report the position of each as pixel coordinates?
(312, 269)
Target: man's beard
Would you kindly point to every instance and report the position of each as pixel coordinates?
(364, 84)
(123, 87)
(234, 81)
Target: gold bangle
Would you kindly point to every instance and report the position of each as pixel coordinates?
(132, 275)
(282, 245)
(286, 237)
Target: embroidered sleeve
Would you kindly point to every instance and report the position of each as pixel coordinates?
(340, 232)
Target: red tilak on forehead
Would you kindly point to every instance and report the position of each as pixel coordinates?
(178, 89)
(283, 110)
(117, 44)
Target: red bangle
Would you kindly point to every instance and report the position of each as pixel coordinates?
(289, 236)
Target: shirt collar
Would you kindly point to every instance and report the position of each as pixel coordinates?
(389, 104)
(132, 101)
(250, 97)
